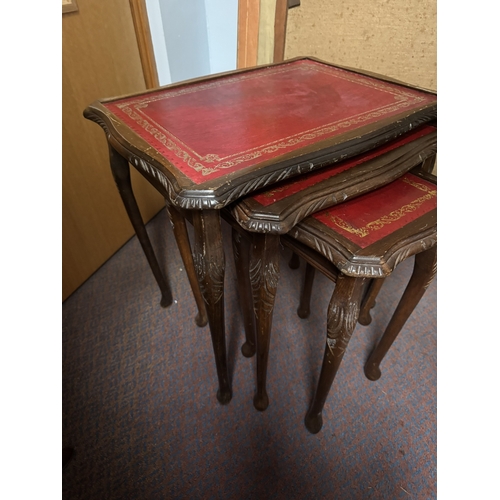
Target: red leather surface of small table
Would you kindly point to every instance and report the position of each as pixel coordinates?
(287, 188)
(209, 129)
(372, 216)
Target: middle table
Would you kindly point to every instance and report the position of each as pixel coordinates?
(205, 143)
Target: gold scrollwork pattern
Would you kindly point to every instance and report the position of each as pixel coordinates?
(402, 99)
(393, 216)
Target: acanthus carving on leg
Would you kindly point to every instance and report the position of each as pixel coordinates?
(341, 322)
(209, 263)
(433, 272)
(264, 280)
(209, 272)
(264, 277)
(342, 318)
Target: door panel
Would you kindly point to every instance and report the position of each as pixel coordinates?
(100, 59)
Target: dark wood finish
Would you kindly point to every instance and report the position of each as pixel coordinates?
(337, 186)
(344, 261)
(429, 164)
(332, 190)
(416, 238)
(121, 174)
(177, 171)
(210, 267)
(424, 270)
(222, 190)
(294, 262)
(305, 297)
(369, 301)
(264, 276)
(341, 320)
(178, 222)
(241, 253)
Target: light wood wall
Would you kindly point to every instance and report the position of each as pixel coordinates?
(396, 38)
(100, 59)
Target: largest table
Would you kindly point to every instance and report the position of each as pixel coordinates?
(205, 143)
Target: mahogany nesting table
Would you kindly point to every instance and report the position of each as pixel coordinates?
(205, 143)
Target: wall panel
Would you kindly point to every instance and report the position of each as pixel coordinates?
(392, 37)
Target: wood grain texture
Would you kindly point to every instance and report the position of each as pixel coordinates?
(248, 32)
(100, 59)
(392, 37)
(144, 42)
(266, 32)
(280, 24)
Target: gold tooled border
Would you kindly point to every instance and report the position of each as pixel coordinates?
(393, 216)
(134, 108)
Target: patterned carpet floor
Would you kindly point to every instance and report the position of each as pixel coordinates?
(139, 386)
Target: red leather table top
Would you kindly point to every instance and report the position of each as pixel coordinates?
(210, 128)
(372, 216)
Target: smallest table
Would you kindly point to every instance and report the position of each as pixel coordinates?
(368, 237)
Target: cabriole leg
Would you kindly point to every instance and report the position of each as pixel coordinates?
(424, 271)
(264, 276)
(241, 253)
(305, 297)
(343, 314)
(210, 268)
(181, 236)
(121, 173)
(369, 301)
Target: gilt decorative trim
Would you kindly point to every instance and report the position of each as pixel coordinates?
(210, 163)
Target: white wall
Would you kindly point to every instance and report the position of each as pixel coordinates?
(159, 44)
(222, 27)
(193, 38)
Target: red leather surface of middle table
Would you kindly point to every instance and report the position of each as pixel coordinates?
(287, 188)
(209, 129)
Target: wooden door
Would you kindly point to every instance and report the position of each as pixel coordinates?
(100, 59)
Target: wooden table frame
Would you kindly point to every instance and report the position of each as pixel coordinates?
(205, 200)
(264, 226)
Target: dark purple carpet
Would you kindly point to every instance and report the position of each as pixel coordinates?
(139, 385)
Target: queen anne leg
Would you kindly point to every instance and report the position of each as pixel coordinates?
(264, 276)
(423, 273)
(343, 314)
(369, 301)
(305, 297)
(210, 268)
(181, 235)
(121, 173)
(241, 252)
